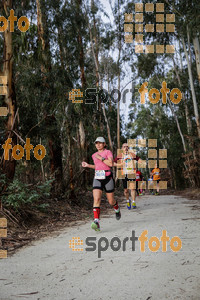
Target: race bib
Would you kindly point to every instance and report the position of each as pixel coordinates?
(157, 173)
(137, 176)
(100, 174)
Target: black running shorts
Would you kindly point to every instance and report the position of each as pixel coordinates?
(124, 181)
(106, 184)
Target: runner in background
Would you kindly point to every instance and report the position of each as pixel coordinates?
(142, 190)
(156, 177)
(126, 161)
(139, 177)
(103, 180)
(151, 184)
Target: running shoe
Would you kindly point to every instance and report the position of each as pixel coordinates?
(156, 193)
(133, 205)
(95, 225)
(140, 194)
(118, 215)
(129, 204)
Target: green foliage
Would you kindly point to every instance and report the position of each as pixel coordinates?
(2, 179)
(45, 188)
(20, 195)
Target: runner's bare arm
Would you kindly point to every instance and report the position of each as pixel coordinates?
(86, 165)
(108, 162)
(133, 155)
(118, 164)
(91, 166)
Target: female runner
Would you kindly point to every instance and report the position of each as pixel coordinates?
(103, 180)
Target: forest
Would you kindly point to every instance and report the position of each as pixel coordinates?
(77, 44)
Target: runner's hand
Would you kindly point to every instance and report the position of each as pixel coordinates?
(84, 164)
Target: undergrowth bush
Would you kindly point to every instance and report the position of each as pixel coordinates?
(19, 195)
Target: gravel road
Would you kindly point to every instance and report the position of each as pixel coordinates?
(49, 269)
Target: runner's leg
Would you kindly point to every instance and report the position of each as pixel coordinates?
(97, 199)
(109, 187)
(110, 197)
(97, 193)
(133, 195)
(126, 192)
(137, 191)
(158, 187)
(111, 200)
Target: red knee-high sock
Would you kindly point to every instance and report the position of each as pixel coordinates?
(96, 211)
(116, 207)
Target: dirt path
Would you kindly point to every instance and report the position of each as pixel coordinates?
(49, 269)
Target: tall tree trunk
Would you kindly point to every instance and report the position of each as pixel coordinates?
(197, 54)
(83, 85)
(62, 46)
(180, 56)
(99, 76)
(118, 116)
(108, 82)
(182, 139)
(55, 151)
(80, 44)
(174, 176)
(52, 130)
(188, 121)
(96, 50)
(8, 166)
(178, 126)
(196, 113)
(61, 50)
(189, 48)
(43, 36)
(70, 164)
(82, 136)
(118, 64)
(83, 150)
(177, 122)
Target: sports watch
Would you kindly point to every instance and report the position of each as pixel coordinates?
(103, 158)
